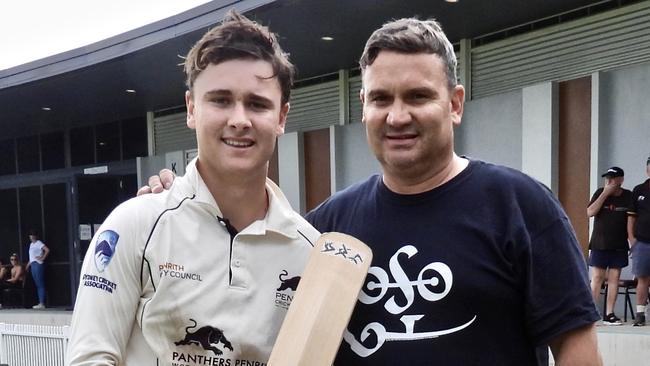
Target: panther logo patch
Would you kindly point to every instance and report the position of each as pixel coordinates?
(207, 337)
(287, 283)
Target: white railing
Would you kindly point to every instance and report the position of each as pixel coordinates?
(33, 345)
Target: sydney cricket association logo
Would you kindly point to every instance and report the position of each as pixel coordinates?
(105, 249)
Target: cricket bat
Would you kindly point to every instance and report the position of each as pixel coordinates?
(321, 308)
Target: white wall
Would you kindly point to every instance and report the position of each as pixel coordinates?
(491, 129)
(291, 165)
(624, 136)
(540, 133)
(354, 160)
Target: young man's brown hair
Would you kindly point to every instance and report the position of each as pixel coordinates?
(236, 38)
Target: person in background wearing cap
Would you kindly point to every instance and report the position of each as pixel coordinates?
(608, 245)
(638, 230)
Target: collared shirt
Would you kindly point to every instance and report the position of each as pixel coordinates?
(166, 267)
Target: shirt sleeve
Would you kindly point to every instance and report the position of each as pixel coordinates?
(595, 196)
(109, 292)
(558, 296)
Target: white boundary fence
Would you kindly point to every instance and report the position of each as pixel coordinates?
(33, 345)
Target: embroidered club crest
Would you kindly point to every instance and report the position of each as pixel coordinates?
(105, 248)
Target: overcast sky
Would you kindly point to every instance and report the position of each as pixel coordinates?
(34, 29)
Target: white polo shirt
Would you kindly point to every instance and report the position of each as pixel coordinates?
(167, 264)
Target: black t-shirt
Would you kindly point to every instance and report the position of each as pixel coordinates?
(483, 270)
(610, 223)
(640, 207)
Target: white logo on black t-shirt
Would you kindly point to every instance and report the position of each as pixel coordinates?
(378, 279)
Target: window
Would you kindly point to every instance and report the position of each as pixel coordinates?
(82, 146)
(108, 142)
(8, 160)
(9, 223)
(28, 154)
(56, 221)
(53, 151)
(30, 212)
(134, 138)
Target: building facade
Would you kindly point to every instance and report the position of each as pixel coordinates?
(559, 95)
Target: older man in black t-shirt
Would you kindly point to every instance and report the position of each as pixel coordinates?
(608, 244)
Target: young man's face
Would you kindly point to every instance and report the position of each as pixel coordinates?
(235, 108)
(409, 112)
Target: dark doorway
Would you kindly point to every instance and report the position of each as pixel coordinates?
(96, 197)
(56, 237)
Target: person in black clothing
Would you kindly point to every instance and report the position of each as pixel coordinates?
(463, 250)
(608, 245)
(638, 228)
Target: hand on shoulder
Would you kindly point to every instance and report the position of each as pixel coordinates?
(158, 183)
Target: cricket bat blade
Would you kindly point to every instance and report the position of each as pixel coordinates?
(323, 303)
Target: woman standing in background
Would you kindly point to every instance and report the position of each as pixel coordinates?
(38, 251)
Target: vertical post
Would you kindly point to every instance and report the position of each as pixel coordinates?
(465, 71)
(595, 137)
(333, 184)
(151, 143)
(344, 97)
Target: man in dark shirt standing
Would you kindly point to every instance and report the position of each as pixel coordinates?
(473, 263)
(608, 245)
(638, 228)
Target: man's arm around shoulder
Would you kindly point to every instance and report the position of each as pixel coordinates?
(577, 347)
